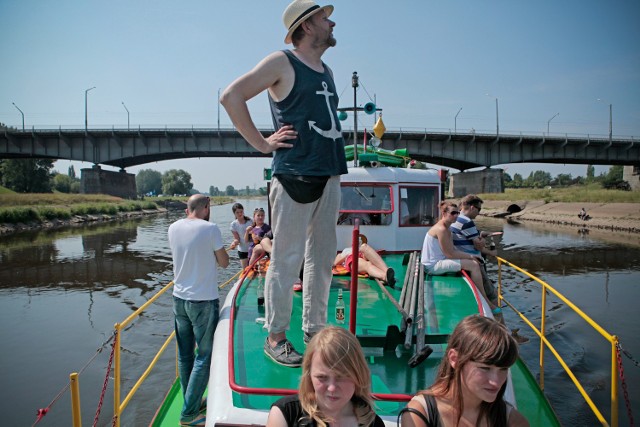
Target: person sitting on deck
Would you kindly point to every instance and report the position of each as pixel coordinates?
(439, 255)
(471, 381)
(468, 239)
(369, 262)
(259, 236)
(335, 386)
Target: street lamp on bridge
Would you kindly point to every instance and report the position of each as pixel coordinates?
(14, 104)
(125, 107)
(610, 119)
(549, 121)
(497, 121)
(455, 121)
(86, 122)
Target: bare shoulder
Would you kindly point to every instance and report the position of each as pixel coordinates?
(516, 419)
(276, 418)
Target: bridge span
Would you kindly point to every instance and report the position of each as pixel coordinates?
(124, 148)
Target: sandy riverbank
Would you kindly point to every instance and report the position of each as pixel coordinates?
(618, 217)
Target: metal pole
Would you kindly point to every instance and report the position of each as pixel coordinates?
(354, 84)
(86, 122)
(497, 121)
(75, 400)
(455, 121)
(610, 122)
(14, 104)
(218, 109)
(549, 121)
(125, 107)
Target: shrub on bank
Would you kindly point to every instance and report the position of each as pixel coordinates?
(16, 215)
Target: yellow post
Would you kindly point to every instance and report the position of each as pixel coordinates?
(614, 381)
(116, 376)
(75, 400)
(542, 334)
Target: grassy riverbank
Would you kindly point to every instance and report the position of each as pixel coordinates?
(589, 193)
(40, 207)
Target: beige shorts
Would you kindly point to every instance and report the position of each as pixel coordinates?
(446, 266)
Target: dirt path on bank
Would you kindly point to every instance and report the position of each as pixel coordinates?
(618, 217)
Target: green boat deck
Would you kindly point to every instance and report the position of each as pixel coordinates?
(447, 300)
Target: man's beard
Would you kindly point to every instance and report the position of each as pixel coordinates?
(331, 41)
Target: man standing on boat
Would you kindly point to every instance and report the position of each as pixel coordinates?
(197, 249)
(308, 159)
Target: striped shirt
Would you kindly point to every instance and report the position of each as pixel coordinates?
(464, 231)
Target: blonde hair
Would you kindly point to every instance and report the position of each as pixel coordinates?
(476, 339)
(444, 205)
(340, 350)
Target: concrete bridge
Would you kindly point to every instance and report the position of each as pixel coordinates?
(124, 148)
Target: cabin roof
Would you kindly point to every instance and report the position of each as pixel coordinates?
(391, 175)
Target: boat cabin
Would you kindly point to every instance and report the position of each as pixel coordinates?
(394, 206)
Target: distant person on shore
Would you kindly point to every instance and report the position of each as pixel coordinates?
(369, 262)
(308, 159)
(197, 250)
(259, 236)
(583, 214)
(335, 386)
(468, 239)
(238, 229)
(439, 256)
(471, 381)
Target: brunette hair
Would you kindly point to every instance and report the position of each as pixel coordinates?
(483, 340)
(340, 350)
(445, 204)
(470, 200)
(237, 206)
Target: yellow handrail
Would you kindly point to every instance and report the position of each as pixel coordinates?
(545, 343)
(118, 407)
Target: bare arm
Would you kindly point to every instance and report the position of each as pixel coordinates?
(276, 418)
(236, 240)
(222, 257)
(269, 74)
(446, 244)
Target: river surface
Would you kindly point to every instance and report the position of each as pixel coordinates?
(62, 291)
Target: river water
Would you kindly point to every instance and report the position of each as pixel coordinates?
(62, 291)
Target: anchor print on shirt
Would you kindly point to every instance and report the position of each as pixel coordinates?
(332, 133)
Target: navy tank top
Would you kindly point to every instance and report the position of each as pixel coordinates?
(311, 107)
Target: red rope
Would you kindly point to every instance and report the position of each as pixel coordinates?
(623, 382)
(106, 381)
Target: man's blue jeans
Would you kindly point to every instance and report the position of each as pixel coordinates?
(195, 323)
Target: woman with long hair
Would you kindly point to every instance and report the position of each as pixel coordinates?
(239, 229)
(335, 388)
(471, 380)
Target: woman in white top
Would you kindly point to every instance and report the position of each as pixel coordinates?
(439, 255)
(239, 229)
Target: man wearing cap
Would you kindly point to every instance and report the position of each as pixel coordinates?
(308, 159)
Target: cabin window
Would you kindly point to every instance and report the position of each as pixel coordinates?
(371, 204)
(418, 205)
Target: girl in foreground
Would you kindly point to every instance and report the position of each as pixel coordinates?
(335, 388)
(471, 380)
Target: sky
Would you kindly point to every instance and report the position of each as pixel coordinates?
(551, 65)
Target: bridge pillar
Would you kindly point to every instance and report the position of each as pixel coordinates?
(97, 181)
(484, 181)
(631, 174)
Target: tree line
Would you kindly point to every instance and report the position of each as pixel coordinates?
(541, 179)
(37, 176)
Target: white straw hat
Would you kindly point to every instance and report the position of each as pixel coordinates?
(298, 12)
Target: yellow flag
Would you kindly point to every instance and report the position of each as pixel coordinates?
(378, 128)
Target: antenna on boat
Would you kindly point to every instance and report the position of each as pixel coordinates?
(354, 84)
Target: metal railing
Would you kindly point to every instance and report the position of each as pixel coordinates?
(119, 406)
(544, 342)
